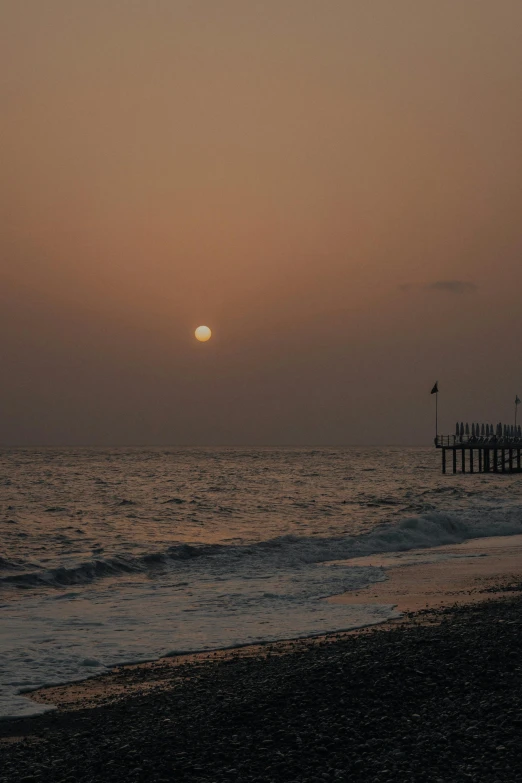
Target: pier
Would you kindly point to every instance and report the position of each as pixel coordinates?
(482, 449)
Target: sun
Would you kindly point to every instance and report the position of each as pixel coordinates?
(203, 334)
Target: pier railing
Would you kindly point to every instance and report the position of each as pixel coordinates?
(486, 441)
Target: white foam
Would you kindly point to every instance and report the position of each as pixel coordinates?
(43, 641)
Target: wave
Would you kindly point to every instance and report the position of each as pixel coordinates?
(10, 565)
(90, 570)
(429, 529)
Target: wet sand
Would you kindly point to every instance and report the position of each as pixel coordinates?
(439, 577)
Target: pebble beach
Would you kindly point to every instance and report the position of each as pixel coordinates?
(434, 697)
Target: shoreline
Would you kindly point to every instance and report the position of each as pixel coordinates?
(473, 571)
(434, 695)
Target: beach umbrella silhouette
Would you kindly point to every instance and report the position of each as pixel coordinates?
(487, 430)
(461, 429)
(482, 431)
(467, 428)
(472, 430)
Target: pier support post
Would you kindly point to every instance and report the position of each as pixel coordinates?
(480, 460)
(511, 460)
(444, 460)
(463, 460)
(454, 460)
(471, 461)
(495, 460)
(503, 452)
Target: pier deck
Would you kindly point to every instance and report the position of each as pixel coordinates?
(481, 455)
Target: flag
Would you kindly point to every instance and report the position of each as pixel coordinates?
(435, 389)
(517, 400)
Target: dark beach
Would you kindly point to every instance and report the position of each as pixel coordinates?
(435, 698)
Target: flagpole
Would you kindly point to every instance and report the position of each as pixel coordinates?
(435, 391)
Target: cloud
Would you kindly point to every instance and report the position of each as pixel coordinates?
(452, 286)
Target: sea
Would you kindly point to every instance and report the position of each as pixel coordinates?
(118, 555)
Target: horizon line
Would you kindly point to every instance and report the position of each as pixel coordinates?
(209, 445)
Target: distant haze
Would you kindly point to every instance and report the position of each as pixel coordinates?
(333, 186)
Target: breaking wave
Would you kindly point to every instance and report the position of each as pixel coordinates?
(417, 532)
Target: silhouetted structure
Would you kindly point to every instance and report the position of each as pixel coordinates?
(497, 450)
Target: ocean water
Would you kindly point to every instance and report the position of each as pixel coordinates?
(118, 555)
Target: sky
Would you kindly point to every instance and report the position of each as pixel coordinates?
(334, 187)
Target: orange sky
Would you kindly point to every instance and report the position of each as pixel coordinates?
(334, 187)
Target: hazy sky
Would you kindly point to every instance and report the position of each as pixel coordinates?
(333, 186)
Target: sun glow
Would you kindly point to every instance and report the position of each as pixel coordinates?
(203, 334)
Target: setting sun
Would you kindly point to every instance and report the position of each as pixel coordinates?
(203, 334)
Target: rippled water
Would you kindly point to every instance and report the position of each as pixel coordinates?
(110, 555)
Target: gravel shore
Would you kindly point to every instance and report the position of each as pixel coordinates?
(438, 699)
